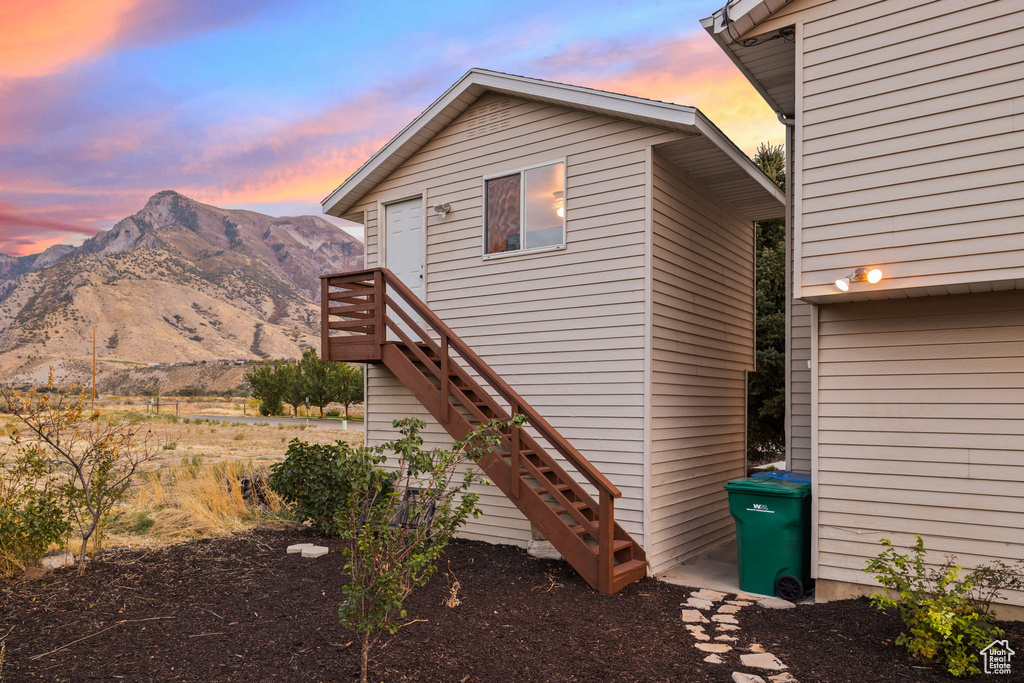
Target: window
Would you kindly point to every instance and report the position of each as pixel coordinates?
(525, 210)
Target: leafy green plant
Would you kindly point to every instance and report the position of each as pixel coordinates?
(95, 458)
(314, 480)
(32, 514)
(947, 617)
(394, 535)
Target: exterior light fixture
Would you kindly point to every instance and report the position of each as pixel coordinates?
(442, 209)
(872, 275)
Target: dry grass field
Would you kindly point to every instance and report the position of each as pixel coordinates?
(191, 488)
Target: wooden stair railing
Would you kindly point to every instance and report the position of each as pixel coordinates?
(370, 316)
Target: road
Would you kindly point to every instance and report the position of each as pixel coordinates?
(313, 422)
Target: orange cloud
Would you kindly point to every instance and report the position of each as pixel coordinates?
(44, 36)
(689, 70)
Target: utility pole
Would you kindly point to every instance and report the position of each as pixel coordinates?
(93, 364)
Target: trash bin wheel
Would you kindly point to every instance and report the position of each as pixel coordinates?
(788, 587)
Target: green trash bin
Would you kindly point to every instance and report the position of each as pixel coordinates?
(773, 534)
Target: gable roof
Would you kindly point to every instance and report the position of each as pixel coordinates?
(715, 160)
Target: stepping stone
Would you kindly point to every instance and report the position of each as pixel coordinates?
(708, 594)
(713, 647)
(57, 560)
(700, 603)
(693, 616)
(726, 639)
(298, 548)
(713, 659)
(728, 609)
(785, 677)
(728, 627)
(695, 628)
(756, 647)
(700, 636)
(738, 677)
(314, 551)
(724, 618)
(738, 603)
(763, 660)
(747, 598)
(776, 603)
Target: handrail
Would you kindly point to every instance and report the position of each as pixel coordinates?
(577, 459)
(453, 341)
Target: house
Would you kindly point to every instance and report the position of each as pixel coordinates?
(586, 259)
(905, 125)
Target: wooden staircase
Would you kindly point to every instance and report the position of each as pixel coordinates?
(369, 316)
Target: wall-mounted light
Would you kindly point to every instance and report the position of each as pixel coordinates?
(442, 209)
(872, 275)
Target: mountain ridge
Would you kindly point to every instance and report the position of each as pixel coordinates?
(176, 281)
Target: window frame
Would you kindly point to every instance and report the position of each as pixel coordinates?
(521, 170)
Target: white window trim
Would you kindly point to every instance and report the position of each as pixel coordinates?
(522, 210)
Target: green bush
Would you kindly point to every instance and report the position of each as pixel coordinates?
(32, 512)
(947, 618)
(314, 479)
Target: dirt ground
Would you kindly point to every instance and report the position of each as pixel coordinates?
(240, 609)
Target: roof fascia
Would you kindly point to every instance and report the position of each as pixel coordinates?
(711, 132)
(714, 26)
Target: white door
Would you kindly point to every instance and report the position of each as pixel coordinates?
(403, 249)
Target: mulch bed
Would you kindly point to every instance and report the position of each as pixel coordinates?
(240, 609)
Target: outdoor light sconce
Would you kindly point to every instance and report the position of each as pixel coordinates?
(442, 209)
(872, 275)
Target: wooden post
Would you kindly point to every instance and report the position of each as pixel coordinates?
(379, 300)
(514, 438)
(606, 530)
(445, 379)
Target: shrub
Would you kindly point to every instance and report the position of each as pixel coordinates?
(947, 618)
(95, 458)
(32, 515)
(314, 480)
(394, 535)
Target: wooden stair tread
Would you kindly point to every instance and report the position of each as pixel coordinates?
(579, 505)
(630, 566)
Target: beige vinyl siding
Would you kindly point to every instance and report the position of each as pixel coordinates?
(921, 430)
(702, 345)
(912, 118)
(564, 328)
(799, 386)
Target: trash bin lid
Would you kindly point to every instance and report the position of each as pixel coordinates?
(785, 475)
(769, 487)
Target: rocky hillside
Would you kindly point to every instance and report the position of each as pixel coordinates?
(178, 281)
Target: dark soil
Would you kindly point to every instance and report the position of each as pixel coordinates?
(240, 609)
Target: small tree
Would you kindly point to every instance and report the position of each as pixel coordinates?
(316, 374)
(347, 384)
(267, 385)
(32, 515)
(96, 457)
(393, 535)
(293, 385)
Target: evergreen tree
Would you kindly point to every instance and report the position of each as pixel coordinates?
(766, 408)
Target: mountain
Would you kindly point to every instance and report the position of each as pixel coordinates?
(178, 281)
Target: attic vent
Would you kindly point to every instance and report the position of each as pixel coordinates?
(489, 118)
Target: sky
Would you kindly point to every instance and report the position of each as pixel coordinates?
(269, 105)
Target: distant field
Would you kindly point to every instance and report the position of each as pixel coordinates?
(175, 405)
(218, 440)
